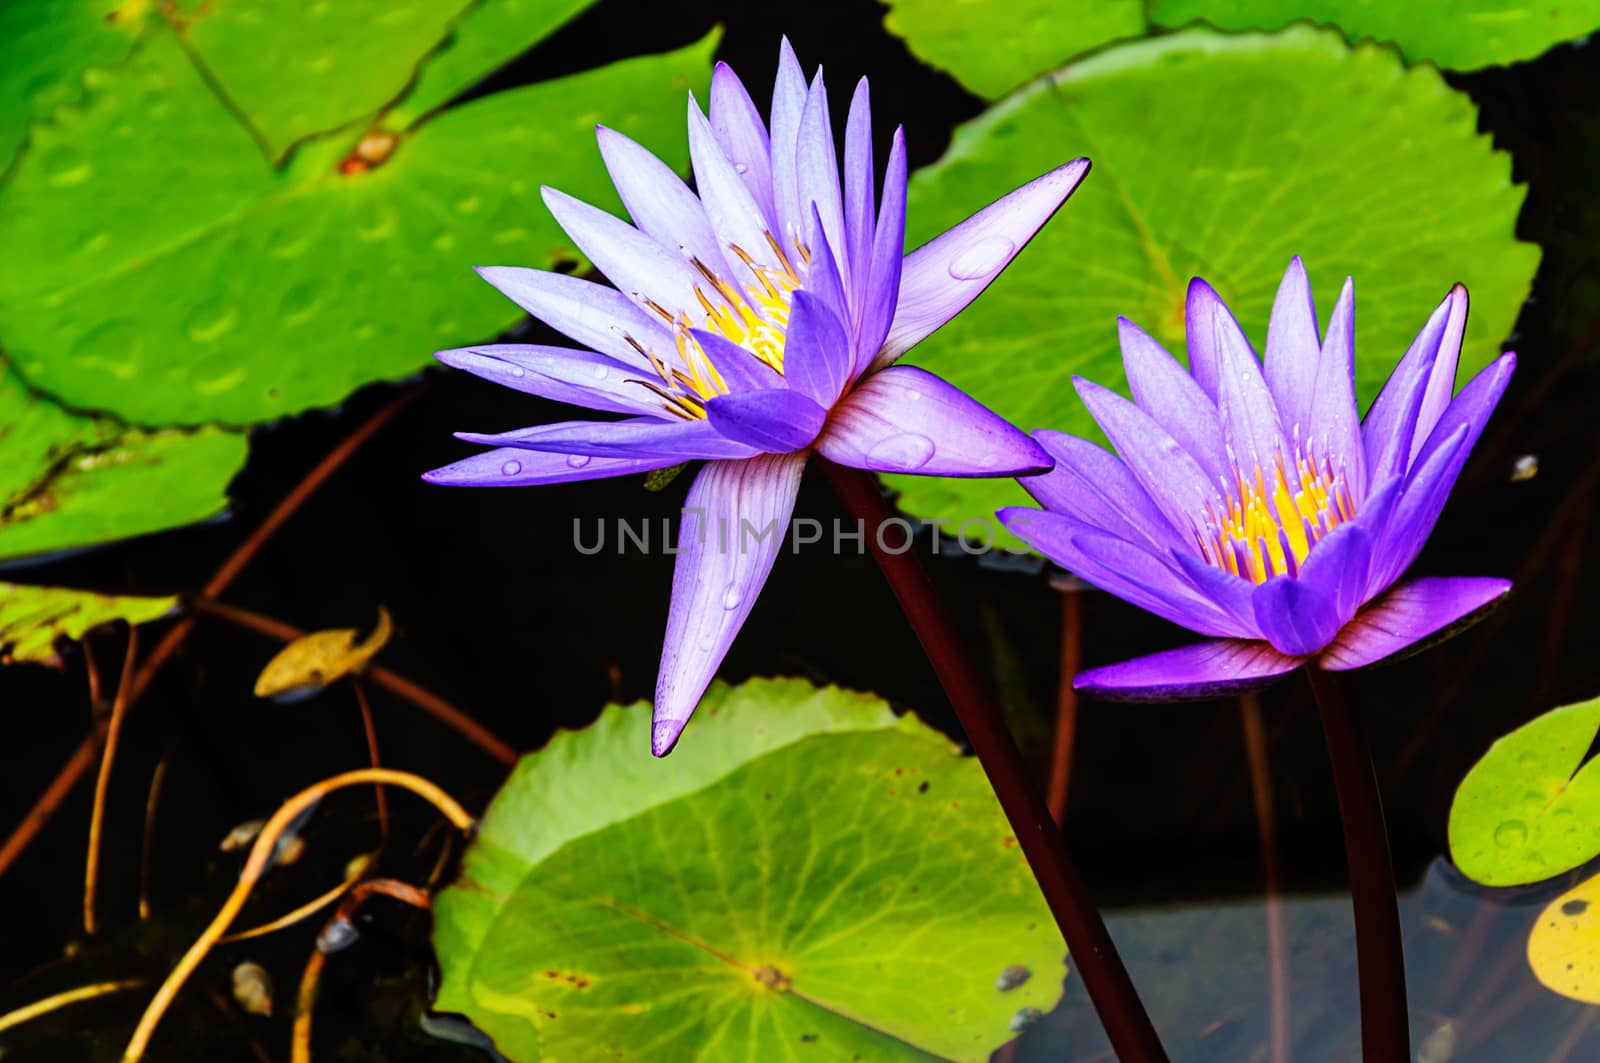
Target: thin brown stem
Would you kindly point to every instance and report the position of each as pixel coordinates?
(1569, 1044)
(102, 783)
(372, 754)
(1095, 956)
(152, 801)
(1261, 795)
(44, 809)
(247, 550)
(1066, 704)
(305, 1004)
(398, 685)
(1380, 953)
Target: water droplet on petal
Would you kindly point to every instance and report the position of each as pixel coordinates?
(1510, 834)
(740, 167)
(601, 372)
(518, 371)
(732, 595)
(511, 468)
(983, 259)
(903, 452)
(578, 461)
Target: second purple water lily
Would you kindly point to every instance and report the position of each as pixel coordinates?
(1251, 503)
(750, 325)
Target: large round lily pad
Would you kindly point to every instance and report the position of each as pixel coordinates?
(1530, 809)
(806, 876)
(1219, 157)
(264, 291)
(1457, 35)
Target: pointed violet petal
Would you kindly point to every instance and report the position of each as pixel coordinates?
(1405, 616)
(733, 524)
(739, 369)
(632, 261)
(942, 276)
(743, 137)
(823, 279)
(1169, 475)
(660, 204)
(1118, 567)
(776, 421)
(1389, 432)
(1164, 390)
(1436, 467)
(1423, 494)
(1293, 348)
(1245, 407)
(859, 193)
(1297, 618)
(639, 437)
(817, 170)
(1216, 669)
(1338, 565)
(1335, 428)
(1233, 595)
(888, 255)
(1091, 483)
(512, 467)
(581, 378)
(816, 350)
(592, 314)
(905, 419)
(1205, 316)
(788, 101)
(1442, 377)
(734, 214)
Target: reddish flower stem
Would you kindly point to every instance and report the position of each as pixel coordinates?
(1380, 955)
(1109, 987)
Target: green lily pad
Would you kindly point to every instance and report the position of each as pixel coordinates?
(45, 48)
(1459, 35)
(1530, 809)
(962, 36)
(805, 875)
(1268, 147)
(68, 481)
(272, 291)
(303, 68)
(33, 618)
(488, 35)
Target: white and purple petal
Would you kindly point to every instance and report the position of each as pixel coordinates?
(1408, 614)
(514, 467)
(735, 517)
(1221, 668)
(905, 419)
(582, 378)
(636, 437)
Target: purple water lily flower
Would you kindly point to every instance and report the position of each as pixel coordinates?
(750, 325)
(1252, 504)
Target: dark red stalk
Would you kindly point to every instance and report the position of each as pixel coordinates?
(1380, 956)
(1110, 989)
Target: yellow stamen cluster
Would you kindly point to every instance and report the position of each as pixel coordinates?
(1272, 518)
(755, 318)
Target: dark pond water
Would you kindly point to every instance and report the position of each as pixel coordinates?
(497, 613)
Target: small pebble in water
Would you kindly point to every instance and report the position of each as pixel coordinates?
(1525, 468)
(252, 988)
(1012, 977)
(1024, 1019)
(338, 935)
(242, 835)
(1439, 1046)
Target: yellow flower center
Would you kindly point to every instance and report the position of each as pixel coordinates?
(755, 318)
(1272, 519)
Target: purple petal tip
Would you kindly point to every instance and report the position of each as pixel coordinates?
(664, 735)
